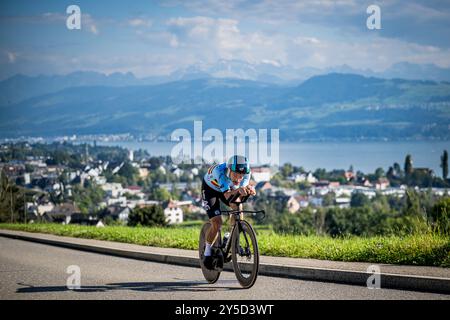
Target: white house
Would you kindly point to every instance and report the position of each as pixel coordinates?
(113, 190)
(143, 172)
(303, 177)
(123, 215)
(162, 169)
(315, 201)
(141, 203)
(100, 180)
(122, 201)
(134, 190)
(343, 202)
(261, 174)
(296, 202)
(43, 208)
(382, 184)
(173, 213)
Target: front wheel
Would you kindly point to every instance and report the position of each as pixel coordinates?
(245, 254)
(210, 275)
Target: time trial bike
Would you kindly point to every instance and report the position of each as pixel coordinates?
(241, 248)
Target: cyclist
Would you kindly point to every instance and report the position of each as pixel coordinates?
(220, 183)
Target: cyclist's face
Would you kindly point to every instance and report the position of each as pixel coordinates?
(236, 177)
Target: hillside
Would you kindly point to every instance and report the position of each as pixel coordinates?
(332, 106)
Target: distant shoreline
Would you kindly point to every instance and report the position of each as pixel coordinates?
(365, 156)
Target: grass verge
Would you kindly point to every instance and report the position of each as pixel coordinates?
(420, 249)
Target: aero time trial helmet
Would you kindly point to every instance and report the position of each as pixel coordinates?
(239, 164)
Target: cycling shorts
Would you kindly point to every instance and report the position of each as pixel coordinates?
(211, 200)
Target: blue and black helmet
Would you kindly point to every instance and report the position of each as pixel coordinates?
(239, 164)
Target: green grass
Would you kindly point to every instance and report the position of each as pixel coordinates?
(425, 249)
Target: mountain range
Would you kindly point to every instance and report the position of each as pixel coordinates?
(21, 87)
(322, 107)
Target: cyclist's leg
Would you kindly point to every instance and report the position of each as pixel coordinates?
(216, 225)
(211, 203)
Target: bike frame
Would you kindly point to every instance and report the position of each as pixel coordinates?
(237, 222)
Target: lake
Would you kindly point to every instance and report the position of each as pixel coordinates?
(364, 156)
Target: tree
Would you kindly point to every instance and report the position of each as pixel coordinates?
(359, 200)
(320, 174)
(444, 164)
(87, 199)
(328, 199)
(160, 194)
(302, 223)
(354, 221)
(6, 208)
(390, 173)
(287, 170)
(408, 165)
(412, 207)
(147, 216)
(129, 172)
(276, 179)
(12, 200)
(155, 162)
(397, 169)
(379, 173)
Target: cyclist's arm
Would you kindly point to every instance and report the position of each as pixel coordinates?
(228, 194)
(249, 188)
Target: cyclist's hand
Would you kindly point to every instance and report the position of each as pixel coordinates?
(251, 190)
(242, 191)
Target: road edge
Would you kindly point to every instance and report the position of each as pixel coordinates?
(387, 281)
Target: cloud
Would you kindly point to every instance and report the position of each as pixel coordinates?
(306, 41)
(277, 10)
(88, 21)
(211, 39)
(375, 52)
(221, 38)
(286, 33)
(139, 22)
(44, 18)
(419, 21)
(93, 29)
(11, 57)
(194, 28)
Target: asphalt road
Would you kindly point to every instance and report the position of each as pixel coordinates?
(37, 271)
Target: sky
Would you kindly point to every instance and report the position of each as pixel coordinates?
(153, 38)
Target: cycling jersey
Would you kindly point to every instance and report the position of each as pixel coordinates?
(216, 178)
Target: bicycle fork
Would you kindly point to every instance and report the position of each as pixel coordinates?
(241, 251)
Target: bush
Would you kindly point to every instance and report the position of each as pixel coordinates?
(147, 216)
(299, 223)
(359, 200)
(440, 215)
(360, 221)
